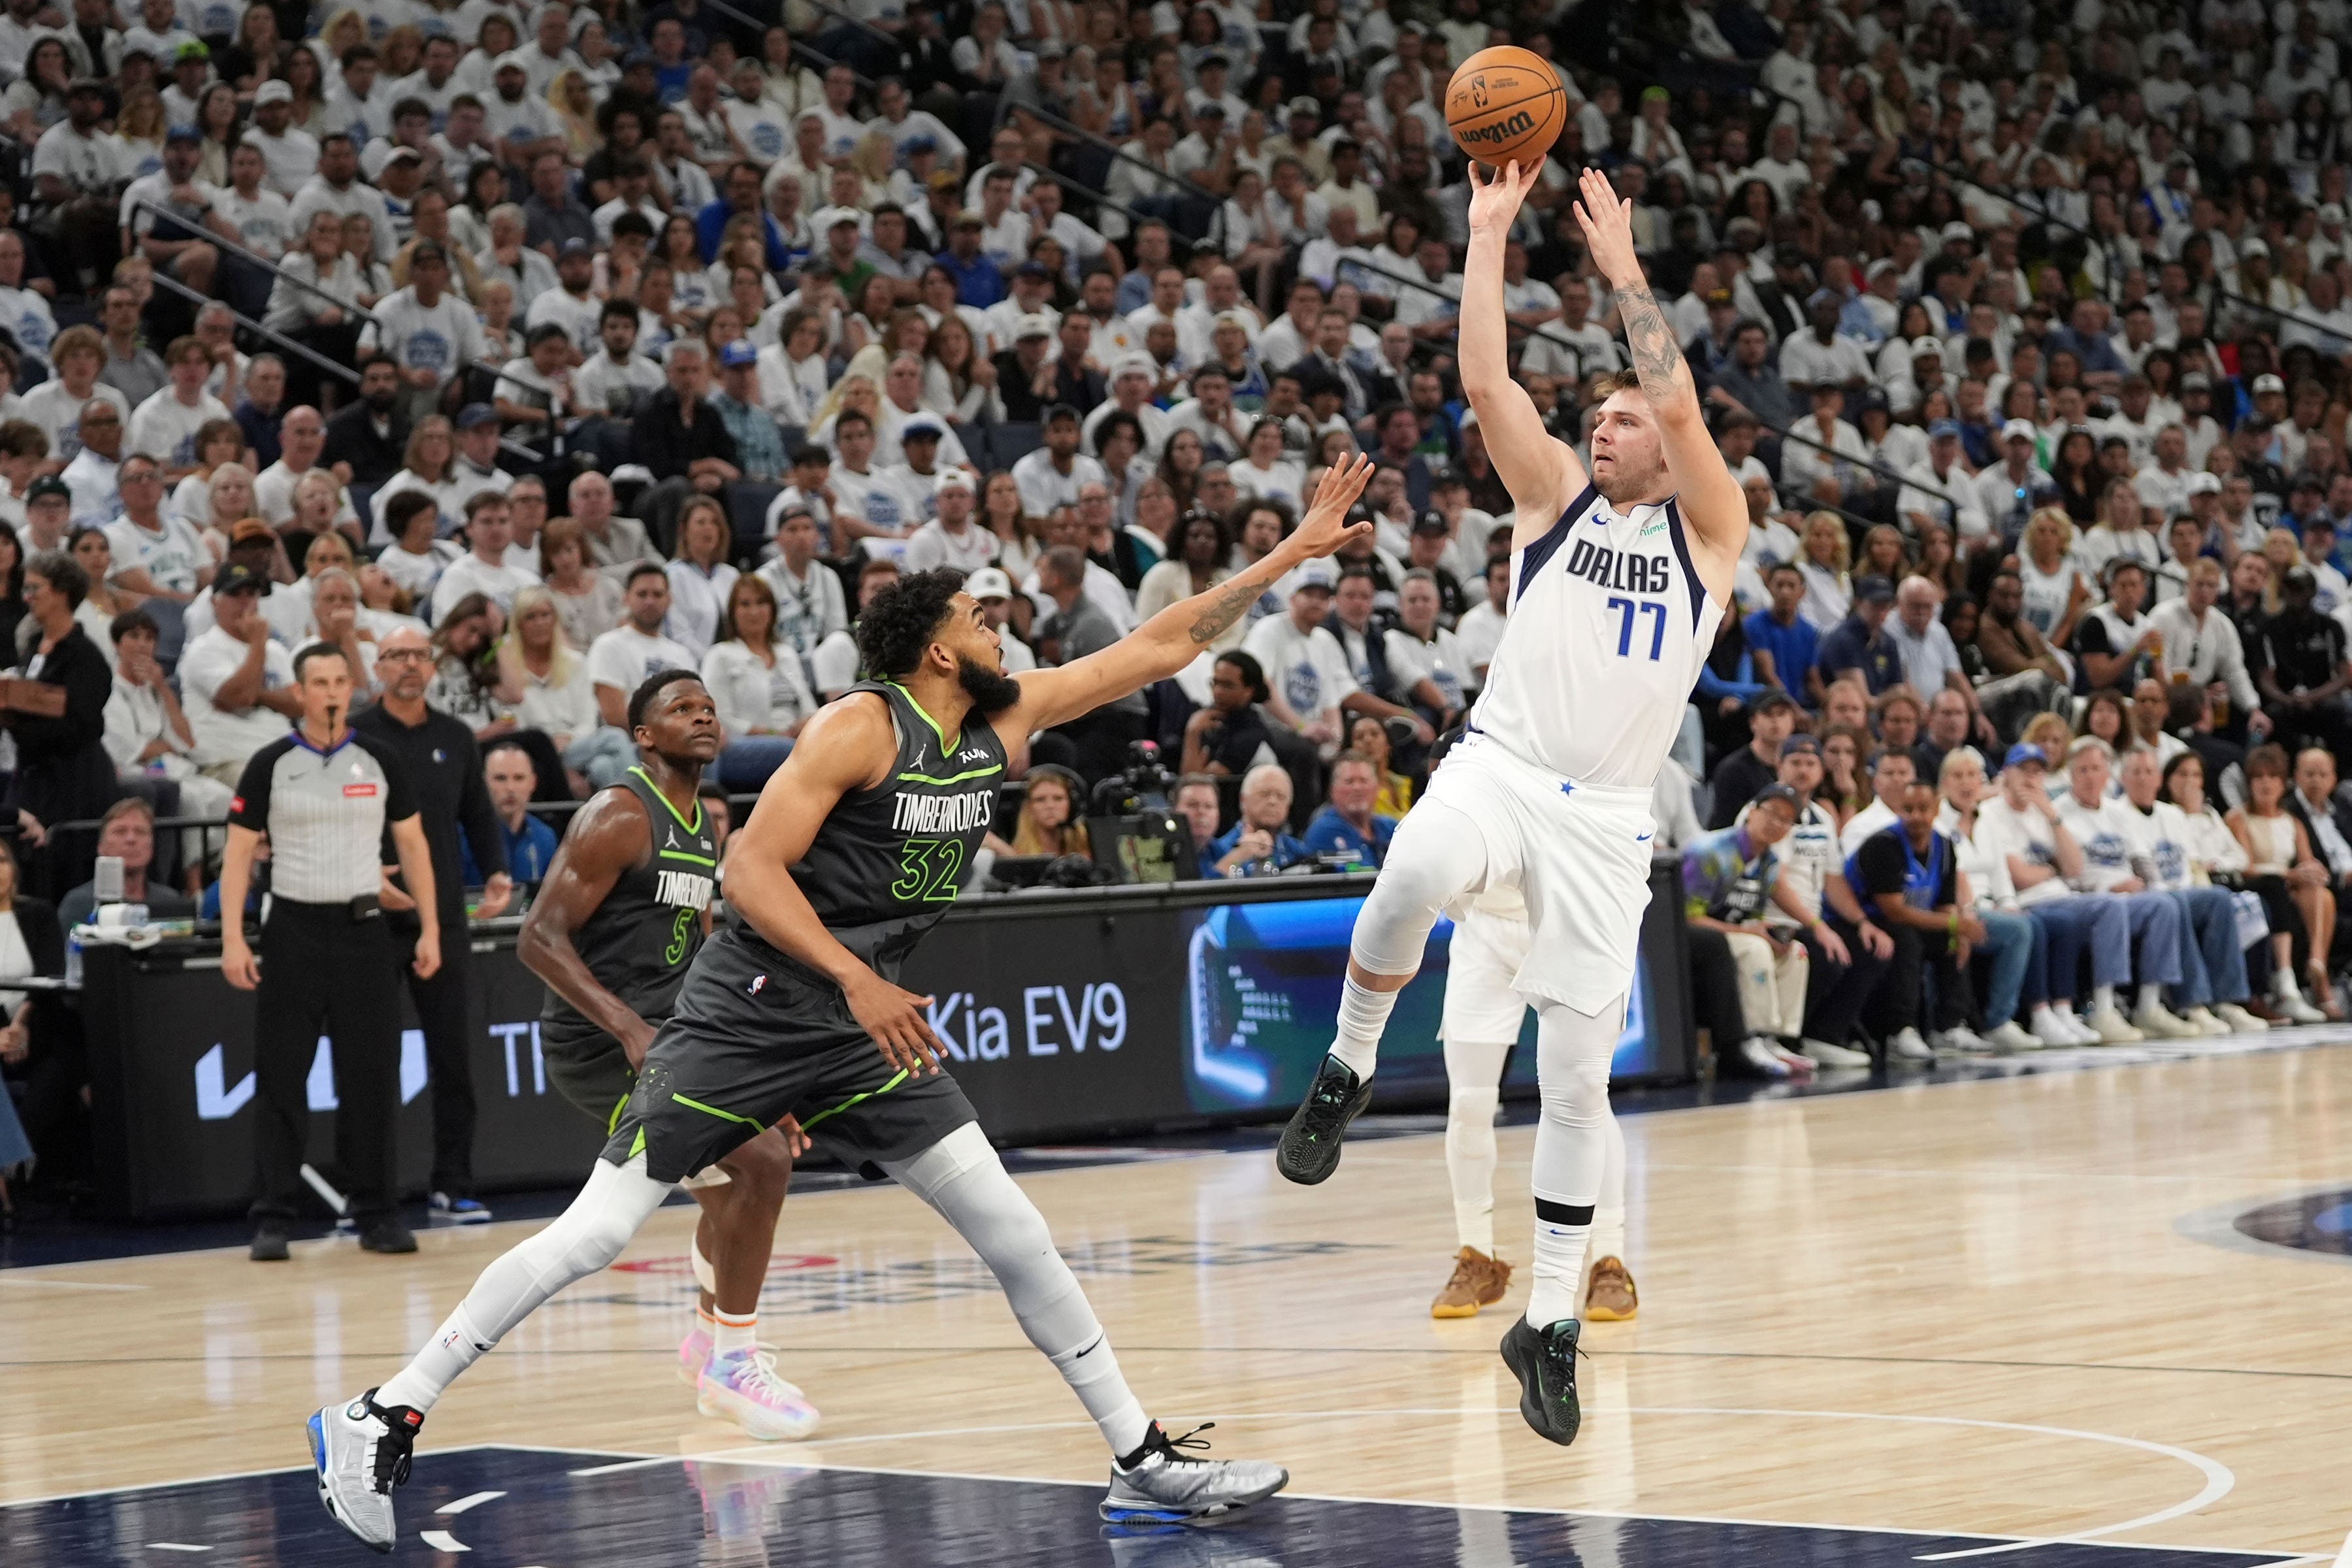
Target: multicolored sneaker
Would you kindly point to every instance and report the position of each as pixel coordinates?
(742, 1386)
(1163, 1483)
(693, 1355)
(1609, 1293)
(361, 1452)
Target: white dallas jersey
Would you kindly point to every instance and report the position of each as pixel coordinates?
(1608, 628)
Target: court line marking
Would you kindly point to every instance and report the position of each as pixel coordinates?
(442, 1540)
(2219, 1480)
(463, 1503)
(8, 1277)
(174, 1546)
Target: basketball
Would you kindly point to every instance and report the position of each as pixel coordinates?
(1505, 105)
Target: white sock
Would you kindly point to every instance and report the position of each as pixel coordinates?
(2151, 995)
(2103, 997)
(2283, 984)
(1608, 1235)
(1363, 1014)
(733, 1335)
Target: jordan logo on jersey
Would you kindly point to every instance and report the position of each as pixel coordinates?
(682, 890)
(1620, 569)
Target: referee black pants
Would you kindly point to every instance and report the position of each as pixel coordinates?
(324, 972)
(444, 1008)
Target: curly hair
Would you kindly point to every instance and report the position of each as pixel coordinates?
(650, 691)
(902, 620)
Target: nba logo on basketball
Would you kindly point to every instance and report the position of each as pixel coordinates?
(1478, 92)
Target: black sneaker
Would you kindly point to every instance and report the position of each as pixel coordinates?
(388, 1235)
(1310, 1150)
(1544, 1361)
(268, 1242)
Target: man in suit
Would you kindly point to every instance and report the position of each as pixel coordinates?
(2327, 819)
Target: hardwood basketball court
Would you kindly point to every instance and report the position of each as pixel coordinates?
(2058, 1317)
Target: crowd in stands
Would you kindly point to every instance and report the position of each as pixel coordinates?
(590, 340)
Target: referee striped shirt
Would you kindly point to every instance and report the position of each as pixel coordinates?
(325, 813)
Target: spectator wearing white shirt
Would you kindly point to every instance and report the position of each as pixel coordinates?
(619, 662)
(431, 334)
(484, 569)
(700, 578)
(761, 692)
(1049, 477)
(1307, 671)
(236, 680)
(1941, 490)
(164, 426)
(951, 538)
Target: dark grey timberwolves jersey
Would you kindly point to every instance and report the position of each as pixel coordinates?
(886, 861)
(640, 940)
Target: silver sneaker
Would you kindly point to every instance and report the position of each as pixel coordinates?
(361, 1451)
(1168, 1485)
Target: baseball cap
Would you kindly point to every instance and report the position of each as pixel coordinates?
(988, 582)
(953, 479)
(968, 218)
(1033, 269)
(1800, 746)
(1772, 701)
(2017, 429)
(2202, 483)
(2254, 248)
(1314, 574)
(511, 61)
(1430, 524)
(2331, 212)
(271, 91)
(1789, 256)
(188, 134)
(739, 352)
(402, 155)
(45, 488)
(2196, 380)
(2268, 384)
(196, 49)
(1060, 411)
(1779, 792)
(1033, 326)
(2301, 577)
(252, 530)
(2022, 754)
(1303, 104)
(1874, 589)
(1048, 49)
(1718, 297)
(1132, 364)
(236, 577)
(1943, 427)
(1927, 346)
(832, 215)
(1956, 229)
(921, 428)
(575, 247)
(476, 414)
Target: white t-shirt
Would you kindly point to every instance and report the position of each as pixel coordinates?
(169, 556)
(2105, 838)
(26, 314)
(624, 656)
(470, 573)
(58, 413)
(932, 545)
(1440, 661)
(164, 428)
(2161, 836)
(579, 317)
(870, 495)
(265, 222)
(1307, 669)
(222, 735)
(440, 337)
(2028, 835)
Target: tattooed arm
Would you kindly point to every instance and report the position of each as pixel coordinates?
(1542, 474)
(1179, 634)
(1710, 497)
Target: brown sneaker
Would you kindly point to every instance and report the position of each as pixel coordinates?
(1609, 1294)
(1478, 1281)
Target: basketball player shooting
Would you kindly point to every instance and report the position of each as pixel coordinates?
(1617, 582)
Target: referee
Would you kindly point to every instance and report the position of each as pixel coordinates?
(323, 794)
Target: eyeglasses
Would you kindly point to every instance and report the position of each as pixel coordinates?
(403, 656)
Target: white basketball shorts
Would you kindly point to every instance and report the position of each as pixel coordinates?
(1578, 855)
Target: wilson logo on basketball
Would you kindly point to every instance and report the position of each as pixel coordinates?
(1500, 131)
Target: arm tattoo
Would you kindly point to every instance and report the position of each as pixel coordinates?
(1656, 359)
(1229, 606)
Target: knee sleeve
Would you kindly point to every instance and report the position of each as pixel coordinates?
(585, 1237)
(962, 1179)
(1438, 857)
(1572, 1056)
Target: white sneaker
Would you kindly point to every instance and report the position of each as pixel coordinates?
(1798, 1063)
(2009, 1039)
(2159, 1021)
(2084, 1034)
(1960, 1040)
(1823, 1054)
(2298, 1009)
(2237, 1020)
(1759, 1055)
(2112, 1028)
(1906, 1046)
(2052, 1028)
(361, 1452)
(2203, 1017)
